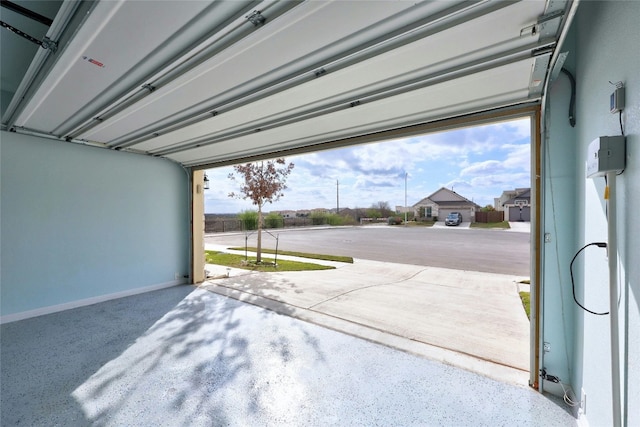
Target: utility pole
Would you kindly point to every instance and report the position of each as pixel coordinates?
(405, 199)
(337, 197)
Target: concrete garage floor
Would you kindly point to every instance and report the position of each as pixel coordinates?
(187, 357)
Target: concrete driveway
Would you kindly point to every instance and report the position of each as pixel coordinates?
(461, 226)
(468, 319)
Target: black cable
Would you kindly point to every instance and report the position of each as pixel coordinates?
(572, 103)
(573, 287)
(620, 116)
(606, 205)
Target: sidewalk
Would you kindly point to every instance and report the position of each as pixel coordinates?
(467, 319)
(519, 227)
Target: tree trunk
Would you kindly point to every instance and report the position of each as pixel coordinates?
(259, 245)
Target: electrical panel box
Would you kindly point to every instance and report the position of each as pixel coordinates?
(606, 154)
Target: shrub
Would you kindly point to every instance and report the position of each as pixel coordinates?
(395, 220)
(273, 220)
(335, 219)
(249, 219)
(318, 218)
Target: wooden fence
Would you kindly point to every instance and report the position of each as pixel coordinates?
(493, 216)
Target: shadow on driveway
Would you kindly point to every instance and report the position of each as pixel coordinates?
(469, 319)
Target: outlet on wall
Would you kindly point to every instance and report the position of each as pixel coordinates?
(583, 401)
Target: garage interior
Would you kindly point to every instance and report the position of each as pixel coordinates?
(111, 110)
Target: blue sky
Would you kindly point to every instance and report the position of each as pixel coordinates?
(477, 162)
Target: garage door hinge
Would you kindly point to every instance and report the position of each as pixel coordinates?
(256, 18)
(49, 44)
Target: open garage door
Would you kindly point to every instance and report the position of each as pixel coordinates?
(211, 83)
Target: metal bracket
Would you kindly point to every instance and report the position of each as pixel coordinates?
(149, 87)
(256, 18)
(534, 29)
(47, 43)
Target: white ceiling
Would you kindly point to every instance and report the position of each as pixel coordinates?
(198, 83)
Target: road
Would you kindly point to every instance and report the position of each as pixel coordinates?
(490, 251)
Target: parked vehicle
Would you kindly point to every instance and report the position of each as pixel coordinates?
(454, 218)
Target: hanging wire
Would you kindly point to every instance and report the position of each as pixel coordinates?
(572, 102)
(573, 286)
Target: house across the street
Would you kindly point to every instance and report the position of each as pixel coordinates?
(443, 202)
(516, 204)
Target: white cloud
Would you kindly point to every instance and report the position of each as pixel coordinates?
(479, 162)
(518, 157)
(483, 168)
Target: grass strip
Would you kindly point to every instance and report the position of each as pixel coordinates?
(337, 258)
(503, 224)
(238, 261)
(417, 224)
(526, 302)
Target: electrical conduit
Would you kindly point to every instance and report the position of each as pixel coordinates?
(610, 193)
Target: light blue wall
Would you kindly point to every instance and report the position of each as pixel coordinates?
(606, 49)
(559, 194)
(79, 222)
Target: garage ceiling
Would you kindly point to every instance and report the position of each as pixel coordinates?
(207, 83)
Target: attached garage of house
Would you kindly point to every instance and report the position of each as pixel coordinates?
(467, 215)
(111, 110)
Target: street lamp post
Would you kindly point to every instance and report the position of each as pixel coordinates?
(405, 199)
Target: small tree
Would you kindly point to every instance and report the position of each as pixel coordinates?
(373, 213)
(262, 182)
(383, 207)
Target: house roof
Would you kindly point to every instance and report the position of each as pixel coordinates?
(465, 203)
(446, 198)
(525, 195)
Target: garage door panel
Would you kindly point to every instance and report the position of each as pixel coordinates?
(310, 73)
(250, 60)
(515, 214)
(400, 65)
(414, 107)
(98, 60)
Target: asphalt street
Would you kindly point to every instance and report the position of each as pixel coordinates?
(484, 250)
